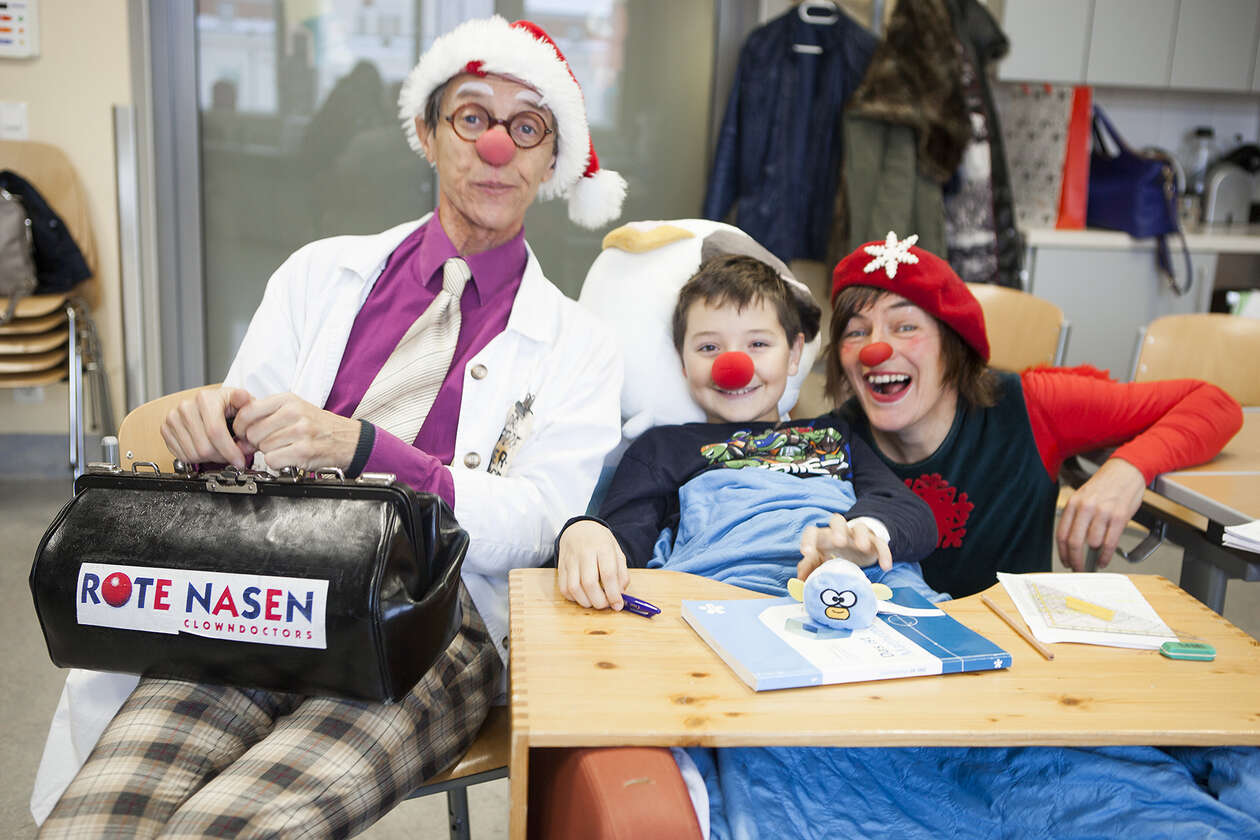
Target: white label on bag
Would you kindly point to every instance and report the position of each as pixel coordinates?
(241, 608)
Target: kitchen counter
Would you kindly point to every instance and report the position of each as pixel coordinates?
(1219, 239)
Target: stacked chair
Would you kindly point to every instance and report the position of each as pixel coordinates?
(52, 337)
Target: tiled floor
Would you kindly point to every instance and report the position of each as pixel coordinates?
(29, 695)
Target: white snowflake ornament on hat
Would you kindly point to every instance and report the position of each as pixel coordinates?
(891, 254)
(523, 51)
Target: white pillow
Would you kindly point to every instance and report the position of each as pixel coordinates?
(633, 286)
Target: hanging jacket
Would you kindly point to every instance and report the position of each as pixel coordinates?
(779, 149)
(59, 263)
(906, 129)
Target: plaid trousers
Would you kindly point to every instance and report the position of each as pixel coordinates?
(182, 759)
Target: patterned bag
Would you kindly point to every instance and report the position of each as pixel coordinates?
(17, 253)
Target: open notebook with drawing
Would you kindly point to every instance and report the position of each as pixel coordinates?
(1094, 609)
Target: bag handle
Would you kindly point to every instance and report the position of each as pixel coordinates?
(1100, 119)
(1162, 256)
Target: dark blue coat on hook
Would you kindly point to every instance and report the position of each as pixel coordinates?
(779, 151)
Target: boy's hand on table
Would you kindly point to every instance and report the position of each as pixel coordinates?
(851, 541)
(591, 568)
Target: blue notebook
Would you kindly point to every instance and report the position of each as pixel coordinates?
(771, 643)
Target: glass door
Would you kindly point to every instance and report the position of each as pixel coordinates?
(300, 139)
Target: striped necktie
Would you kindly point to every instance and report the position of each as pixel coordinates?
(401, 395)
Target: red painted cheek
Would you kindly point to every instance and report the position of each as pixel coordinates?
(495, 147)
(732, 370)
(874, 354)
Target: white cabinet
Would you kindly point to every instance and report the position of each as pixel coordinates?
(1131, 43)
(1107, 294)
(1048, 39)
(1216, 44)
(1181, 44)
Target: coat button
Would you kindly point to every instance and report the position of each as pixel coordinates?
(472, 460)
(479, 372)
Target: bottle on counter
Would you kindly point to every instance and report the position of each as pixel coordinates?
(1197, 155)
(1202, 152)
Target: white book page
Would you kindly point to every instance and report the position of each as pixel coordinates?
(1043, 601)
(1245, 536)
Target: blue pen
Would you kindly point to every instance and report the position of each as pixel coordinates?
(639, 607)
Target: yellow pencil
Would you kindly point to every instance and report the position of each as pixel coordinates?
(1024, 634)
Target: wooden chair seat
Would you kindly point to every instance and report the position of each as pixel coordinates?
(37, 324)
(32, 380)
(11, 345)
(35, 306)
(33, 362)
(488, 753)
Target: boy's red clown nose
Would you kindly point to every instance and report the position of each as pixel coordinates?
(732, 370)
(873, 354)
(495, 147)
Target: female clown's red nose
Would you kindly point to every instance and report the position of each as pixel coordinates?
(495, 147)
(873, 354)
(732, 370)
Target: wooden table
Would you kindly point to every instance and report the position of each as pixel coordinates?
(1225, 491)
(584, 677)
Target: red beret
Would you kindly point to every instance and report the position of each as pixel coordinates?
(920, 277)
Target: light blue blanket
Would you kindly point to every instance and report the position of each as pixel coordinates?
(743, 527)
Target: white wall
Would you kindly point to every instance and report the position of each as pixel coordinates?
(82, 71)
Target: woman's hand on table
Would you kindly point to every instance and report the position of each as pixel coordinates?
(1096, 514)
(591, 567)
(841, 538)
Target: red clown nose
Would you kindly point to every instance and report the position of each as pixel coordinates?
(732, 370)
(495, 147)
(873, 354)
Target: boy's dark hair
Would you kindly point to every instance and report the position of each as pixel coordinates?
(739, 280)
(963, 366)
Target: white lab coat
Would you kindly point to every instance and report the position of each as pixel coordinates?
(552, 348)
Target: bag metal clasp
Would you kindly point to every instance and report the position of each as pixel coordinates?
(230, 480)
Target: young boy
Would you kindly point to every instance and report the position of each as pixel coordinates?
(740, 498)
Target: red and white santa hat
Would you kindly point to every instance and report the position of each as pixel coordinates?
(523, 51)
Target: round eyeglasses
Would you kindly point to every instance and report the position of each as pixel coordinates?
(471, 120)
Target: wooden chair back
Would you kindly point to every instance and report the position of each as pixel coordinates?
(1024, 330)
(1217, 348)
(140, 434)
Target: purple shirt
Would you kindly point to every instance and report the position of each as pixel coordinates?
(410, 281)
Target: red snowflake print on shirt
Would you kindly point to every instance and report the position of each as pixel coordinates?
(950, 508)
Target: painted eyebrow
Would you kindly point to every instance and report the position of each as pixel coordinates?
(474, 86)
(530, 97)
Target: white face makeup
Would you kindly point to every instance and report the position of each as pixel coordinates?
(530, 97)
(474, 87)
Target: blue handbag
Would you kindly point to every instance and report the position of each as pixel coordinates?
(1135, 193)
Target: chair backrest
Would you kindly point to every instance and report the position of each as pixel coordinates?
(1217, 348)
(140, 435)
(1024, 330)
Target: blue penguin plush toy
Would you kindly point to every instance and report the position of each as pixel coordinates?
(839, 596)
